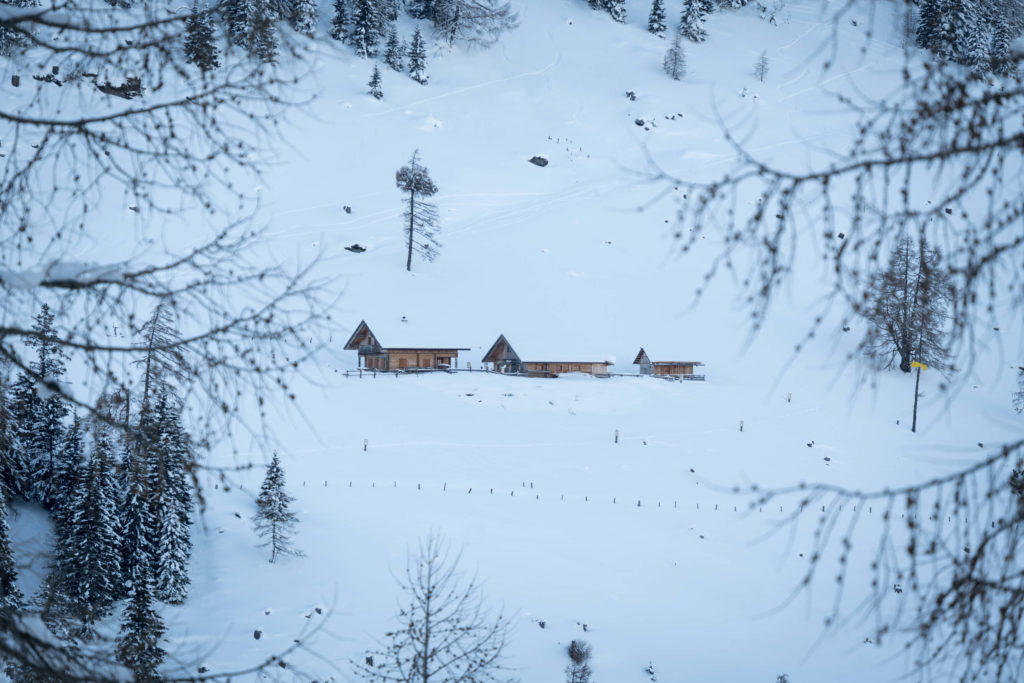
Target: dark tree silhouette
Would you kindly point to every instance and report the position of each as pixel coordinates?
(445, 635)
(908, 309)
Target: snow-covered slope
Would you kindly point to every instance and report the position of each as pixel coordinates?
(636, 539)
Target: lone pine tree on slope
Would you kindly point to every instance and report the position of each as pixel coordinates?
(374, 84)
(909, 308)
(761, 67)
(420, 216)
(675, 59)
(418, 58)
(274, 521)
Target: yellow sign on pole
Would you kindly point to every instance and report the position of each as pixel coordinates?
(915, 364)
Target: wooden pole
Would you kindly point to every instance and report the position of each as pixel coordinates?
(917, 383)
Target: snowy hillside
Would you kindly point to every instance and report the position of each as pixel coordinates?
(639, 540)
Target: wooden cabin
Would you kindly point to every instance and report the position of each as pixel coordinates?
(373, 355)
(666, 368)
(503, 358)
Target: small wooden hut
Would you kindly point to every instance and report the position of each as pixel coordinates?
(666, 368)
(503, 358)
(373, 355)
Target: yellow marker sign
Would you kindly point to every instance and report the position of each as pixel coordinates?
(915, 364)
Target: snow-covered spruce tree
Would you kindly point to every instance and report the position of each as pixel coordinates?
(421, 220)
(375, 85)
(200, 43)
(253, 26)
(71, 465)
(274, 522)
(394, 51)
(761, 67)
(302, 16)
(616, 9)
(445, 634)
(87, 566)
(707, 6)
(691, 24)
(675, 59)
(909, 308)
(135, 525)
(38, 410)
(339, 21)
(364, 31)
(418, 58)
(10, 595)
(170, 503)
(656, 19)
(138, 642)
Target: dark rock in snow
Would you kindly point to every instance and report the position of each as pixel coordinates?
(539, 161)
(355, 248)
(639, 122)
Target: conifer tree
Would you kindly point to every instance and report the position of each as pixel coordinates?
(87, 565)
(302, 17)
(138, 642)
(135, 527)
(274, 522)
(707, 6)
(253, 25)
(691, 24)
(374, 84)
(616, 9)
(394, 52)
(170, 504)
(364, 34)
(38, 412)
(200, 44)
(418, 58)
(420, 216)
(10, 595)
(1002, 37)
(656, 19)
(675, 59)
(66, 476)
(761, 67)
(339, 21)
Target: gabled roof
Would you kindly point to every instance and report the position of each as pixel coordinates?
(403, 331)
(534, 355)
(491, 357)
(361, 329)
(642, 357)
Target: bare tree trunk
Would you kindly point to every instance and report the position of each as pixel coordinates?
(412, 212)
(917, 383)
